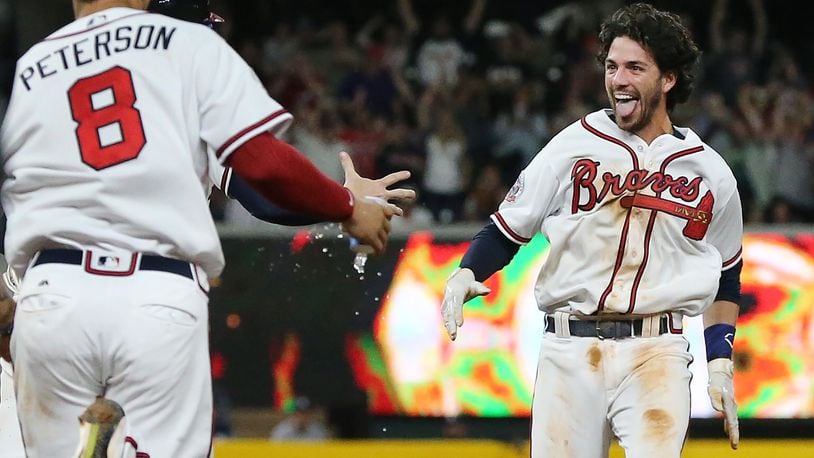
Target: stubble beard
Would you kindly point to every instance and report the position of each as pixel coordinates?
(647, 106)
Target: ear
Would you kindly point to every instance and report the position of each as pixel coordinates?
(668, 80)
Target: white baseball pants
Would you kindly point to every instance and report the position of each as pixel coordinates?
(140, 339)
(11, 443)
(589, 390)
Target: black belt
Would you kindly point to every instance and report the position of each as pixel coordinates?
(148, 262)
(616, 329)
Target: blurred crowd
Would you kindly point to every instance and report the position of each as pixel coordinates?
(8, 52)
(464, 96)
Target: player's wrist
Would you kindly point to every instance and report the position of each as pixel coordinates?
(352, 208)
(721, 365)
(720, 341)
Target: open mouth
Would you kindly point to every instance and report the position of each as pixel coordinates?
(625, 105)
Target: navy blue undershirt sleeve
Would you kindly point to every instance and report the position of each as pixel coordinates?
(729, 286)
(263, 209)
(489, 252)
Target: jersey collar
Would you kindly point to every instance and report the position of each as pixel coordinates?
(94, 21)
(676, 132)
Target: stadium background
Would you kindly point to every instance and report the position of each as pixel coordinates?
(292, 318)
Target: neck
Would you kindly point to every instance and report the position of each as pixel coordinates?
(660, 125)
(82, 8)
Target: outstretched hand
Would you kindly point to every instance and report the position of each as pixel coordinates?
(460, 288)
(722, 395)
(361, 186)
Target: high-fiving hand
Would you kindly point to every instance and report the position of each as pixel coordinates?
(370, 221)
(461, 287)
(722, 394)
(362, 186)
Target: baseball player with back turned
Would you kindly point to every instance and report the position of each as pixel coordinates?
(105, 152)
(644, 223)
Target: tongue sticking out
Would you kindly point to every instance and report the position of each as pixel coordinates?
(625, 109)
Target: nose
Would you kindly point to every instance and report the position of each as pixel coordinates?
(620, 77)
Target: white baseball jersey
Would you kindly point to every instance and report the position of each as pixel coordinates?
(634, 228)
(106, 135)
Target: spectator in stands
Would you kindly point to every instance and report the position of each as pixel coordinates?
(794, 171)
(488, 190)
(447, 166)
(334, 55)
(415, 217)
(371, 86)
(278, 48)
(402, 150)
(443, 52)
(364, 133)
(734, 55)
(520, 131)
(388, 39)
(475, 116)
(306, 423)
(316, 132)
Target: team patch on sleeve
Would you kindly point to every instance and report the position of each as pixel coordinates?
(517, 188)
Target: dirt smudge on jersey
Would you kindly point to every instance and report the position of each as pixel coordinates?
(594, 357)
(658, 425)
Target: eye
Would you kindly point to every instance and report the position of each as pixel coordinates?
(610, 67)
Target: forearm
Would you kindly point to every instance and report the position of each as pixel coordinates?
(489, 252)
(285, 177)
(719, 329)
(721, 312)
(261, 208)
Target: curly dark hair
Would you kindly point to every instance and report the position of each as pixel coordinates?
(664, 36)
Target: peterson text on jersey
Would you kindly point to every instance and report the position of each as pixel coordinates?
(86, 49)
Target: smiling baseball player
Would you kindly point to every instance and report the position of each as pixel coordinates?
(644, 222)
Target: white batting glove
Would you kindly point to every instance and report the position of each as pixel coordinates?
(461, 287)
(722, 394)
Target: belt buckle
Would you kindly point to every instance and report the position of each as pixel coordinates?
(599, 330)
(104, 263)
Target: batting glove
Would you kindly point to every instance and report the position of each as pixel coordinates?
(722, 394)
(461, 287)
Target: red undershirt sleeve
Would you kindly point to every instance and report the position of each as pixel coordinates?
(287, 178)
